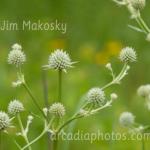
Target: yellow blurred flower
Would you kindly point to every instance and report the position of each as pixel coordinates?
(56, 44)
(101, 58)
(112, 48)
(87, 52)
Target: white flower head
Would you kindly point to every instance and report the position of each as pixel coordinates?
(113, 96)
(16, 56)
(127, 119)
(108, 66)
(96, 96)
(57, 109)
(16, 46)
(128, 54)
(144, 90)
(138, 4)
(15, 107)
(59, 60)
(4, 120)
(134, 12)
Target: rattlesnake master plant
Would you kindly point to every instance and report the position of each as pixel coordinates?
(4, 121)
(135, 7)
(16, 56)
(59, 60)
(15, 107)
(144, 92)
(95, 99)
(126, 119)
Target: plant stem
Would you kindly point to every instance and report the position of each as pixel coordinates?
(116, 79)
(55, 143)
(144, 24)
(46, 129)
(143, 144)
(59, 85)
(34, 99)
(0, 139)
(45, 91)
(36, 139)
(23, 131)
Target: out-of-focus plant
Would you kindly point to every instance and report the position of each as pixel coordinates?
(53, 117)
(127, 119)
(144, 92)
(135, 7)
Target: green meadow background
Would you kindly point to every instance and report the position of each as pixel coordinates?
(96, 32)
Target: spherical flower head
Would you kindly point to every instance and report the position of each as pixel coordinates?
(96, 96)
(59, 60)
(127, 54)
(16, 57)
(126, 119)
(57, 109)
(15, 107)
(16, 46)
(4, 120)
(138, 4)
(144, 90)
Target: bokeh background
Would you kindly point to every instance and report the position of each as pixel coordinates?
(96, 31)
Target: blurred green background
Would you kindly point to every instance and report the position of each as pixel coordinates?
(96, 31)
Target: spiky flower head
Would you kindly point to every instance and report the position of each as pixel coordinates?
(16, 46)
(138, 4)
(4, 120)
(16, 56)
(96, 96)
(128, 54)
(15, 107)
(144, 90)
(59, 60)
(126, 119)
(57, 109)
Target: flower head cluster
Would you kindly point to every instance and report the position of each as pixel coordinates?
(15, 107)
(138, 4)
(16, 56)
(57, 109)
(144, 90)
(128, 54)
(59, 60)
(96, 96)
(4, 120)
(134, 6)
(126, 119)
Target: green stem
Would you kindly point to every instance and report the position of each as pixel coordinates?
(34, 99)
(55, 143)
(0, 139)
(139, 23)
(143, 144)
(36, 139)
(23, 131)
(144, 24)
(115, 81)
(59, 85)
(46, 128)
(67, 122)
